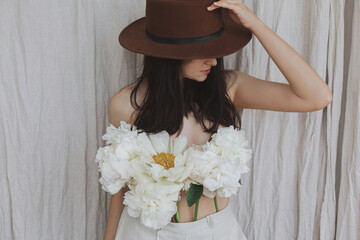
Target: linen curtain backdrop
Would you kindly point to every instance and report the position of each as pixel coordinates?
(60, 63)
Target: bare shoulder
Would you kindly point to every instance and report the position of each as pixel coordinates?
(120, 108)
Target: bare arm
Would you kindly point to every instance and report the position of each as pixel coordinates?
(305, 92)
(119, 110)
(254, 93)
(115, 211)
(303, 80)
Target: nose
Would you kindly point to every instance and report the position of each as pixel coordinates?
(211, 61)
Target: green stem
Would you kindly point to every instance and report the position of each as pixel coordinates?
(177, 214)
(196, 209)
(216, 204)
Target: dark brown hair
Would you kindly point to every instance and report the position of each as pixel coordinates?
(167, 99)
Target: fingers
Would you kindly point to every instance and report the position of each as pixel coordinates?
(221, 3)
(212, 7)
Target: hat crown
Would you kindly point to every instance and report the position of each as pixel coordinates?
(182, 18)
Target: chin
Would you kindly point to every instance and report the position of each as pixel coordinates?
(199, 79)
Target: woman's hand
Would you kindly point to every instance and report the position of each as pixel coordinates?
(238, 12)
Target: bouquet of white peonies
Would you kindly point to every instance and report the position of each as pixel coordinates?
(156, 169)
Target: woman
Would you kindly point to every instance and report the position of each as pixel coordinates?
(186, 91)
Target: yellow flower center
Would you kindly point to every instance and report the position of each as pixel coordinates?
(164, 159)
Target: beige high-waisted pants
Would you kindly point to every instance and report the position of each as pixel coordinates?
(220, 225)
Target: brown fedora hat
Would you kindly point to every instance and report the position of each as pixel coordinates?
(184, 29)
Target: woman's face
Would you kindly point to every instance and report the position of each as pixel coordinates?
(196, 68)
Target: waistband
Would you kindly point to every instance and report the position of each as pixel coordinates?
(213, 220)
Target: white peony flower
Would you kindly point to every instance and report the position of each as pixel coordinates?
(124, 138)
(229, 139)
(114, 173)
(112, 133)
(159, 170)
(232, 143)
(162, 159)
(154, 203)
(113, 160)
(218, 164)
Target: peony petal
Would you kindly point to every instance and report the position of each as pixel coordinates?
(175, 174)
(171, 146)
(180, 144)
(111, 186)
(180, 160)
(121, 153)
(108, 172)
(211, 184)
(208, 193)
(160, 141)
(157, 171)
(145, 144)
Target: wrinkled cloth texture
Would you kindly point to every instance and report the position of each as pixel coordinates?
(60, 63)
(219, 225)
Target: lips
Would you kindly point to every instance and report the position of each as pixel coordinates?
(206, 71)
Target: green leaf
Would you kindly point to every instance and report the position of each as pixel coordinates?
(240, 181)
(194, 194)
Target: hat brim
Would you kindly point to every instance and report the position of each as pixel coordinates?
(234, 37)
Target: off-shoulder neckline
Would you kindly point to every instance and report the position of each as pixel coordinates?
(209, 140)
(194, 144)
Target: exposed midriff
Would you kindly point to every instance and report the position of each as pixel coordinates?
(206, 207)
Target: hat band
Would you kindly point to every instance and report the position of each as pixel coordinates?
(184, 40)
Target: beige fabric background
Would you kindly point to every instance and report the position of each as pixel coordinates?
(60, 62)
